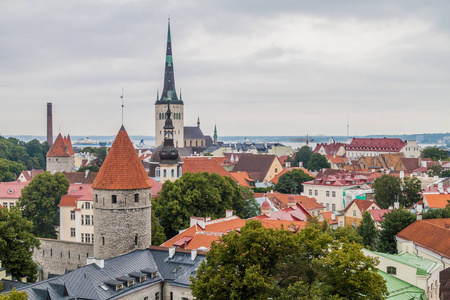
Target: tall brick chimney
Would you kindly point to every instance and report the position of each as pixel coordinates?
(49, 124)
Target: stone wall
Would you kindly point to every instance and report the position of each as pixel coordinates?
(59, 164)
(57, 257)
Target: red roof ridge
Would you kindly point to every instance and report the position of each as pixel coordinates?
(60, 148)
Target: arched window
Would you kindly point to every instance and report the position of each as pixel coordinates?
(165, 173)
(172, 173)
(158, 172)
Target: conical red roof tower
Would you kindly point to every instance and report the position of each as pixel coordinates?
(122, 168)
(59, 148)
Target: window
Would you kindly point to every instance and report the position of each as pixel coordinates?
(88, 219)
(72, 232)
(5, 204)
(88, 205)
(316, 193)
(354, 213)
(327, 205)
(341, 224)
(96, 198)
(328, 193)
(392, 270)
(88, 238)
(82, 219)
(157, 296)
(165, 173)
(333, 194)
(310, 192)
(172, 173)
(92, 219)
(103, 240)
(136, 198)
(92, 238)
(158, 172)
(114, 199)
(145, 298)
(333, 207)
(11, 205)
(180, 171)
(72, 215)
(136, 240)
(82, 237)
(171, 295)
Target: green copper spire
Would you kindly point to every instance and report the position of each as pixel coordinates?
(169, 93)
(215, 134)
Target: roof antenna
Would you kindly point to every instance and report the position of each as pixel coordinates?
(121, 97)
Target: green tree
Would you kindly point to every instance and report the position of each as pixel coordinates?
(292, 181)
(394, 222)
(88, 149)
(90, 168)
(434, 170)
(39, 202)
(10, 170)
(158, 236)
(411, 191)
(367, 231)
(251, 207)
(317, 162)
(199, 194)
(262, 263)
(347, 234)
(14, 295)
(387, 189)
(438, 213)
(445, 173)
(434, 153)
(100, 155)
(17, 243)
(303, 155)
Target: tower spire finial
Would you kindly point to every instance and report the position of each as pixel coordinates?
(121, 97)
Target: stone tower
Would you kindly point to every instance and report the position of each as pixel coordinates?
(122, 201)
(169, 95)
(60, 157)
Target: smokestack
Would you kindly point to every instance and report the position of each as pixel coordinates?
(49, 124)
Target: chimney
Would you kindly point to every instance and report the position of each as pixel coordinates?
(193, 254)
(86, 173)
(228, 213)
(300, 164)
(396, 205)
(201, 223)
(100, 262)
(49, 124)
(288, 165)
(391, 207)
(207, 219)
(171, 252)
(419, 216)
(292, 203)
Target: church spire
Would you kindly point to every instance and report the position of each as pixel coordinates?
(169, 93)
(215, 134)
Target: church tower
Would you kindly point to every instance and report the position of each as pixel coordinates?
(122, 201)
(169, 96)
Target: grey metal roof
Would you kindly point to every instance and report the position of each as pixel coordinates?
(89, 282)
(193, 133)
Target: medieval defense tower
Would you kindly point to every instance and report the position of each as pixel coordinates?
(122, 201)
(169, 95)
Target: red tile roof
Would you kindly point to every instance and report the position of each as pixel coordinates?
(80, 177)
(329, 149)
(12, 190)
(242, 178)
(376, 144)
(214, 229)
(68, 142)
(362, 205)
(203, 164)
(60, 148)
(340, 179)
(122, 168)
(433, 234)
(378, 214)
(281, 201)
(77, 192)
(256, 165)
(30, 174)
(437, 200)
(327, 216)
(156, 187)
(299, 213)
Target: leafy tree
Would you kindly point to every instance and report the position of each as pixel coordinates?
(434, 153)
(10, 170)
(292, 181)
(88, 149)
(208, 154)
(31, 154)
(262, 263)
(347, 234)
(437, 213)
(387, 189)
(199, 194)
(39, 202)
(14, 295)
(100, 155)
(367, 231)
(251, 207)
(90, 168)
(158, 236)
(317, 162)
(394, 222)
(17, 243)
(434, 170)
(411, 191)
(445, 173)
(303, 155)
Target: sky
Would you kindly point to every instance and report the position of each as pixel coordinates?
(252, 67)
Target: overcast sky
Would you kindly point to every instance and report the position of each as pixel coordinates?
(253, 67)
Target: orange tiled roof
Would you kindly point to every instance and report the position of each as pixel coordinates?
(281, 200)
(437, 200)
(216, 228)
(69, 145)
(327, 216)
(284, 171)
(122, 168)
(203, 164)
(59, 148)
(433, 234)
(242, 178)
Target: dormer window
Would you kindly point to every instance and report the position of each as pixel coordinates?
(10, 191)
(391, 270)
(154, 274)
